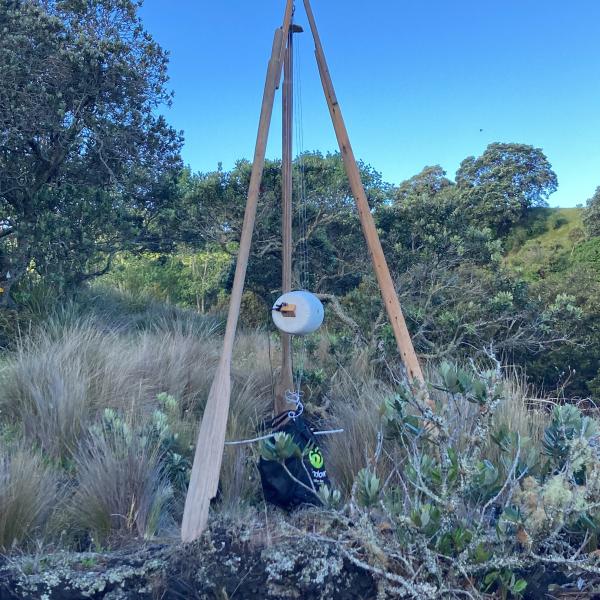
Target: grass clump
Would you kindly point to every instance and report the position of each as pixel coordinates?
(115, 411)
(479, 497)
(29, 493)
(123, 488)
(62, 377)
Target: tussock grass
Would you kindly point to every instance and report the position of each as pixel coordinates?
(59, 379)
(122, 488)
(355, 408)
(521, 415)
(29, 492)
(58, 382)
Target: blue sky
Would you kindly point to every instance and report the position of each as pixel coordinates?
(416, 81)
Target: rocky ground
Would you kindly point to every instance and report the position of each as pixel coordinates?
(223, 565)
(245, 560)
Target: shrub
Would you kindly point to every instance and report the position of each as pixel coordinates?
(559, 222)
(465, 487)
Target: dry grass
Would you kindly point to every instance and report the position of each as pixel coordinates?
(29, 492)
(122, 489)
(58, 380)
(520, 415)
(355, 408)
(55, 386)
(57, 383)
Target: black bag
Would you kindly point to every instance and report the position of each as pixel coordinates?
(279, 488)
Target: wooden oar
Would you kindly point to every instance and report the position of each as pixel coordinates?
(286, 378)
(386, 285)
(206, 469)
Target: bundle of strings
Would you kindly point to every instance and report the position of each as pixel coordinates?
(295, 396)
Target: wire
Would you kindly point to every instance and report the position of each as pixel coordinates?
(271, 367)
(272, 435)
(302, 205)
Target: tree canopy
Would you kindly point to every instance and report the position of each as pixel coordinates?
(507, 179)
(85, 163)
(90, 173)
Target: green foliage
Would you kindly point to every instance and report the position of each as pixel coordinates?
(564, 270)
(160, 433)
(505, 583)
(188, 279)
(463, 487)
(479, 390)
(426, 184)
(368, 487)
(213, 204)
(574, 365)
(86, 165)
(567, 425)
(591, 217)
(279, 448)
(330, 498)
(587, 252)
(504, 182)
(537, 248)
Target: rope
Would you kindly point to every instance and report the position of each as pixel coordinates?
(271, 435)
(301, 191)
(290, 397)
(302, 211)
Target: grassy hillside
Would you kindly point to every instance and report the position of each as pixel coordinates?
(546, 242)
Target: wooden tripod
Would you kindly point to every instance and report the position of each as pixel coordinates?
(211, 437)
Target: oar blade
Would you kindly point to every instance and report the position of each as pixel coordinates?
(204, 480)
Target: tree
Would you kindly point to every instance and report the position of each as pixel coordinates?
(428, 182)
(329, 248)
(499, 187)
(427, 223)
(591, 215)
(86, 167)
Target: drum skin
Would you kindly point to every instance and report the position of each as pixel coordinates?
(308, 317)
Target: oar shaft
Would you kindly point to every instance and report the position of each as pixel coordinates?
(384, 279)
(271, 84)
(204, 479)
(286, 378)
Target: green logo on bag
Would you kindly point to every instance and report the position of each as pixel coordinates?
(316, 458)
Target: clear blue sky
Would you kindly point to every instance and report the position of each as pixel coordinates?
(416, 80)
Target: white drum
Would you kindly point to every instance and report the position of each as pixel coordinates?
(298, 313)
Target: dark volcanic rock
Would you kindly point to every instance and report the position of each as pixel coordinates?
(223, 564)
